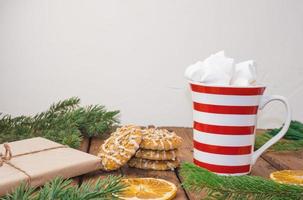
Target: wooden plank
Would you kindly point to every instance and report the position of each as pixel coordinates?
(95, 144)
(260, 131)
(262, 168)
(285, 160)
(186, 155)
(93, 176)
(267, 163)
(84, 146)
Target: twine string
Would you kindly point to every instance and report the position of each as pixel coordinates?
(8, 155)
(8, 152)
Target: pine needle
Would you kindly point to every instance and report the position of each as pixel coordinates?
(292, 141)
(65, 122)
(60, 189)
(236, 187)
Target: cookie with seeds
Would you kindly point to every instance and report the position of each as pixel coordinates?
(118, 149)
(153, 164)
(160, 139)
(156, 154)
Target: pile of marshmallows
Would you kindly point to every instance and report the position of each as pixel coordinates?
(218, 69)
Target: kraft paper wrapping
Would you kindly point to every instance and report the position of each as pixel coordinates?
(38, 160)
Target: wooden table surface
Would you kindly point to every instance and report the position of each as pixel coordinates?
(267, 163)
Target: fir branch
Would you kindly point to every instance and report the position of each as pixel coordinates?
(292, 141)
(96, 119)
(64, 122)
(107, 188)
(295, 131)
(56, 189)
(60, 189)
(65, 105)
(261, 139)
(282, 145)
(236, 187)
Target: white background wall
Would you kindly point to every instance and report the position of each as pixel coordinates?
(131, 54)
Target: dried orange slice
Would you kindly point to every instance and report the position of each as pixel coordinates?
(148, 189)
(294, 177)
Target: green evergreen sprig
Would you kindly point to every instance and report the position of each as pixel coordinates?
(292, 141)
(236, 187)
(64, 122)
(60, 189)
(294, 132)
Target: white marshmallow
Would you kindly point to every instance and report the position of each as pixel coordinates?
(221, 63)
(220, 70)
(193, 72)
(214, 70)
(245, 74)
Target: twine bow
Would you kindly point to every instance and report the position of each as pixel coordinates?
(7, 155)
(6, 158)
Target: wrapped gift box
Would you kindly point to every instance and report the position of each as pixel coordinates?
(38, 160)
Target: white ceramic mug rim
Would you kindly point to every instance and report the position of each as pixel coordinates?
(226, 86)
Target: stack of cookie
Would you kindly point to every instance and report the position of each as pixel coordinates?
(145, 149)
(118, 149)
(158, 150)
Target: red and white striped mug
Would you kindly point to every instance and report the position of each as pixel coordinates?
(224, 124)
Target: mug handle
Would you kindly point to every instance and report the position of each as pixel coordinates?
(264, 101)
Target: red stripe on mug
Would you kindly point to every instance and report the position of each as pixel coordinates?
(222, 168)
(241, 110)
(224, 130)
(225, 150)
(228, 90)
